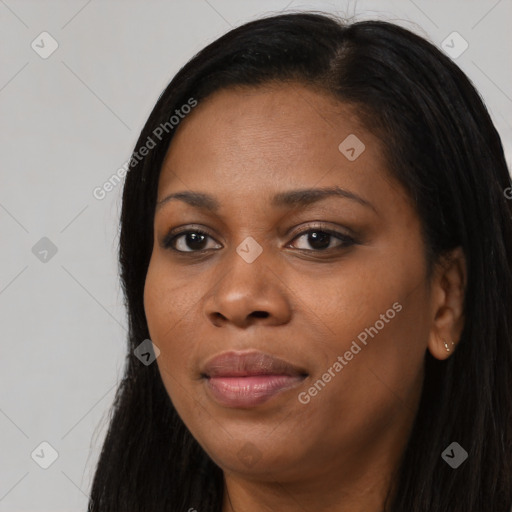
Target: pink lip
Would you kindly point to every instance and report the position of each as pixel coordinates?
(247, 379)
(249, 391)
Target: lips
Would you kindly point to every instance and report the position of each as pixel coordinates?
(248, 379)
(245, 364)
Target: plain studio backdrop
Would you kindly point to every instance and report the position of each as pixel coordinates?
(77, 82)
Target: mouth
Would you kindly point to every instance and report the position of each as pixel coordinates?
(248, 379)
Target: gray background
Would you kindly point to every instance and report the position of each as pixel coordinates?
(68, 122)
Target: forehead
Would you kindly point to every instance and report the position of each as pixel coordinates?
(268, 138)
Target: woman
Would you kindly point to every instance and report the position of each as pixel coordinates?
(316, 238)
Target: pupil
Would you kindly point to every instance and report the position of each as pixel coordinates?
(319, 240)
(195, 238)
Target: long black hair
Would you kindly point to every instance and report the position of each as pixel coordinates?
(442, 146)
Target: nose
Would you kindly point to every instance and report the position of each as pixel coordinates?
(248, 293)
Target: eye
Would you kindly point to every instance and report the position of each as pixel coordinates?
(321, 239)
(193, 239)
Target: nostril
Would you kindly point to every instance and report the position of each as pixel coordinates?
(260, 314)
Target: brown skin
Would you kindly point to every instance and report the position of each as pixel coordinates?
(338, 452)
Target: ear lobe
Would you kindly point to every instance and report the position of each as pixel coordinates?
(448, 292)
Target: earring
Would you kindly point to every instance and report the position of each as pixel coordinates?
(446, 345)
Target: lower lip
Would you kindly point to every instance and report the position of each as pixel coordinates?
(249, 391)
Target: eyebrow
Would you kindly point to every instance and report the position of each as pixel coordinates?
(292, 198)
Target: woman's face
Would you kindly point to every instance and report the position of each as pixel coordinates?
(332, 283)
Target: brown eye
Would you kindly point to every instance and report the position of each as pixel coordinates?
(194, 240)
(321, 239)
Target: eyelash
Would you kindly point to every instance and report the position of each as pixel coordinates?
(346, 241)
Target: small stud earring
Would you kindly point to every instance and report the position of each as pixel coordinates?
(446, 345)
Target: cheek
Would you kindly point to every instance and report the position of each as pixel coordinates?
(168, 299)
(386, 373)
(156, 302)
(161, 316)
(346, 300)
(376, 314)
(166, 307)
(406, 337)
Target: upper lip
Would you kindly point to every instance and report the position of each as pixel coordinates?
(238, 364)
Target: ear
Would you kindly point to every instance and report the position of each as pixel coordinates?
(447, 295)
